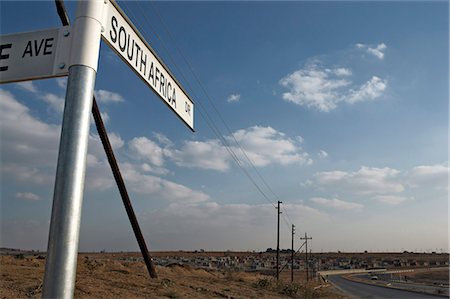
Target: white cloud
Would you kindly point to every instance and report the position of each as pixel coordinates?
(370, 90)
(315, 87)
(151, 185)
(262, 145)
(106, 96)
(31, 155)
(98, 173)
(434, 176)
(62, 82)
(95, 146)
(29, 146)
(234, 98)
(28, 86)
(377, 51)
(54, 101)
(27, 196)
(322, 154)
(342, 71)
(391, 199)
(336, 203)
(385, 185)
(321, 87)
(28, 174)
(163, 139)
(147, 150)
(265, 145)
(105, 117)
(206, 155)
(367, 180)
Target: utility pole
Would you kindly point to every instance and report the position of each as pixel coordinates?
(306, 238)
(292, 254)
(278, 241)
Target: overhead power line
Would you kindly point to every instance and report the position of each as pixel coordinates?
(203, 112)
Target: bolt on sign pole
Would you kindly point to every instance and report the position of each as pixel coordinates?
(61, 262)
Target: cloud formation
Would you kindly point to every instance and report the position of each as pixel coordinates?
(106, 96)
(27, 196)
(367, 180)
(377, 51)
(262, 145)
(210, 154)
(265, 145)
(322, 154)
(384, 185)
(370, 90)
(30, 148)
(316, 87)
(146, 184)
(435, 176)
(28, 86)
(147, 150)
(321, 87)
(233, 98)
(391, 199)
(336, 203)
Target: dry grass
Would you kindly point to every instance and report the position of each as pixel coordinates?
(103, 276)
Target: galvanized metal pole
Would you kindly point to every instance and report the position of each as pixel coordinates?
(114, 166)
(61, 262)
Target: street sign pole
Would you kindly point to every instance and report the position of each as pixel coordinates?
(61, 262)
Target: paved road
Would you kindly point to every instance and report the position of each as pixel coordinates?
(362, 290)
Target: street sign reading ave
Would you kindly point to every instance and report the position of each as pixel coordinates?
(34, 55)
(121, 35)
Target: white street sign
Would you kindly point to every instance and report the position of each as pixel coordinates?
(34, 55)
(122, 36)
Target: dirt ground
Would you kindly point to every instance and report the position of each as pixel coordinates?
(429, 276)
(103, 276)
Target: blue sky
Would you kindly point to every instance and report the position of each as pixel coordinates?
(342, 107)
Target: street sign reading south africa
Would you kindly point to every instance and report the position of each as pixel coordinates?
(122, 36)
(34, 55)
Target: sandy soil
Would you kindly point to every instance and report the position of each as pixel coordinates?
(104, 276)
(429, 276)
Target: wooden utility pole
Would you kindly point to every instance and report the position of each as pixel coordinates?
(306, 238)
(292, 254)
(278, 241)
